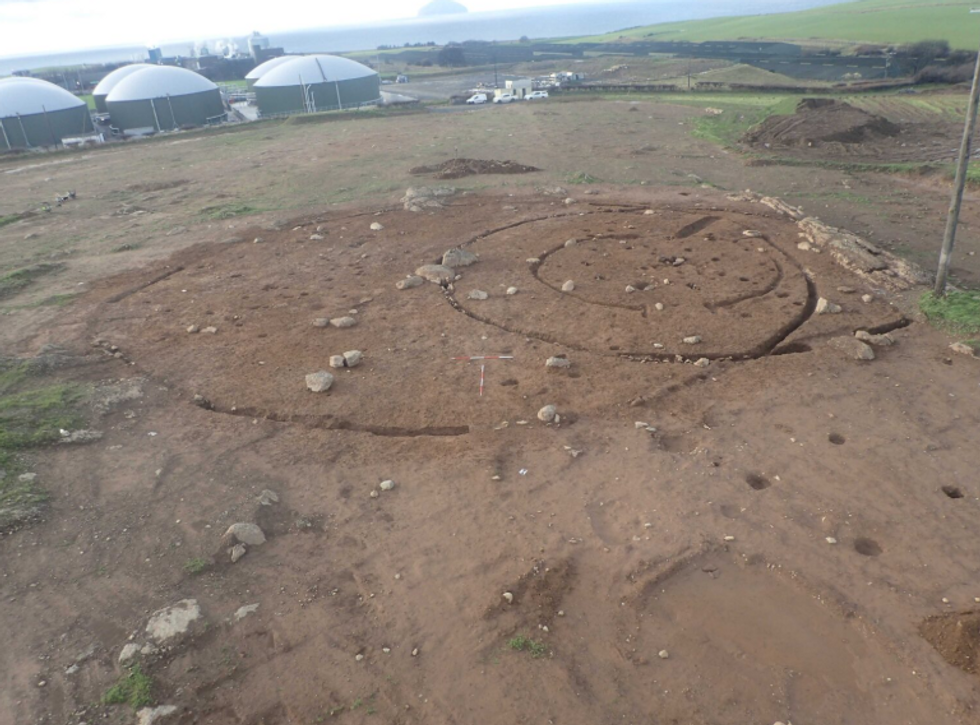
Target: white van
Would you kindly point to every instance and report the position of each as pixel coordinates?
(477, 99)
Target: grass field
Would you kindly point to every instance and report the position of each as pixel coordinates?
(872, 21)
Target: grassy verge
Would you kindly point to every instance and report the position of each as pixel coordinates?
(957, 312)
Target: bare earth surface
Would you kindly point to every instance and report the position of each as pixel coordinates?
(773, 543)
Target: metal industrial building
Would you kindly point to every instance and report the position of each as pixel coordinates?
(260, 70)
(163, 98)
(312, 83)
(106, 85)
(35, 113)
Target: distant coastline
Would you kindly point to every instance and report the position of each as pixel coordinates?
(546, 22)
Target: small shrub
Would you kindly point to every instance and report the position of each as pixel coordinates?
(134, 689)
(196, 566)
(523, 643)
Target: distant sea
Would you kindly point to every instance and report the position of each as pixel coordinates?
(541, 22)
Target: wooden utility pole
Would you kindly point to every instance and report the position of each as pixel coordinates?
(963, 164)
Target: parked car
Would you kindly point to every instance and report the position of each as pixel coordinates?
(477, 99)
(536, 96)
(504, 98)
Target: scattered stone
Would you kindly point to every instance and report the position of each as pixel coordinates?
(316, 237)
(409, 282)
(321, 322)
(243, 612)
(826, 307)
(343, 322)
(210, 330)
(437, 273)
(352, 358)
(152, 715)
(804, 246)
(867, 299)
(630, 289)
(663, 654)
(831, 540)
(246, 533)
(876, 340)
(170, 622)
(640, 425)
(458, 257)
(509, 597)
(374, 494)
(257, 240)
(80, 436)
(415, 652)
(130, 650)
(267, 498)
(702, 363)
(477, 294)
(649, 212)
(846, 290)
(193, 329)
(558, 362)
(27, 477)
(569, 286)
(319, 382)
(237, 552)
(570, 243)
(679, 261)
(569, 201)
(511, 291)
(692, 340)
(659, 307)
(852, 347)
(547, 414)
(376, 227)
(337, 361)
(201, 402)
(752, 233)
(533, 260)
(387, 485)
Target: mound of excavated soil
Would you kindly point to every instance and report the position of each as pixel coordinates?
(956, 637)
(819, 121)
(458, 168)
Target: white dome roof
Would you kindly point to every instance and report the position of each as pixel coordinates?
(158, 81)
(110, 81)
(309, 69)
(27, 96)
(260, 70)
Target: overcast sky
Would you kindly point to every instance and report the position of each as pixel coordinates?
(29, 27)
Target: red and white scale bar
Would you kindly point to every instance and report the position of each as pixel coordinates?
(483, 367)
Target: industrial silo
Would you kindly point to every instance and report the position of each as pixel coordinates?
(164, 98)
(35, 113)
(260, 70)
(106, 85)
(314, 83)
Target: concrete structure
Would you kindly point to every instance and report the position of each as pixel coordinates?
(314, 83)
(35, 113)
(519, 88)
(260, 70)
(164, 98)
(106, 85)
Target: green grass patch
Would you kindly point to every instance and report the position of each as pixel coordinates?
(6, 219)
(196, 566)
(228, 211)
(135, 689)
(957, 312)
(581, 177)
(35, 417)
(865, 21)
(19, 280)
(523, 643)
(728, 127)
